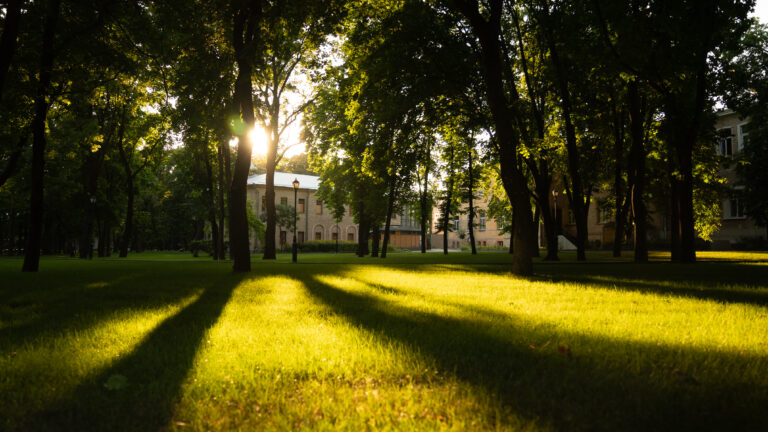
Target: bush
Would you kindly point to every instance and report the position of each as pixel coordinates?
(466, 248)
(749, 243)
(195, 246)
(326, 246)
(330, 246)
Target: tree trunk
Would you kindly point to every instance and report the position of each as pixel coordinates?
(128, 233)
(488, 32)
(375, 240)
(471, 215)
(674, 218)
(212, 208)
(390, 209)
(423, 202)
(269, 193)
(543, 186)
(362, 236)
(618, 181)
(577, 198)
(223, 185)
(447, 214)
(637, 173)
(244, 32)
(32, 250)
(534, 235)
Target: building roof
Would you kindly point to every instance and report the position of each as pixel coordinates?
(283, 179)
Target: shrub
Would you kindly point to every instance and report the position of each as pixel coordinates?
(195, 246)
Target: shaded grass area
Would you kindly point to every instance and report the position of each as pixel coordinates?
(414, 342)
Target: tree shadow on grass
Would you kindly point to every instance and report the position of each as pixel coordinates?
(53, 303)
(600, 387)
(138, 392)
(739, 283)
(716, 281)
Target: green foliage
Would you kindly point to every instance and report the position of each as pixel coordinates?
(746, 86)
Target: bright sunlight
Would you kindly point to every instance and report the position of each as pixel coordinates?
(258, 138)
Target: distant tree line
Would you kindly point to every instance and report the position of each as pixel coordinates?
(129, 121)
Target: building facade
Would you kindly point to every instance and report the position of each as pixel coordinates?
(737, 228)
(315, 221)
(486, 231)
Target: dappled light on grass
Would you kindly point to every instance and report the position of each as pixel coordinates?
(53, 366)
(444, 345)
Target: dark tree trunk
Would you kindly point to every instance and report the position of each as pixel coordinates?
(471, 196)
(375, 240)
(8, 39)
(543, 186)
(488, 32)
(535, 238)
(446, 216)
(577, 197)
(128, 233)
(13, 160)
(637, 173)
(244, 33)
(223, 185)
(390, 209)
(541, 174)
(423, 219)
(212, 209)
(423, 196)
(129, 175)
(364, 227)
(618, 181)
(32, 251)
(674, 218)
(269, 231)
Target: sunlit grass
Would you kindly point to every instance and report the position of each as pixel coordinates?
(407, 343)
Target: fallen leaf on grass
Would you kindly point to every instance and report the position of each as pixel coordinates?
(564, 350)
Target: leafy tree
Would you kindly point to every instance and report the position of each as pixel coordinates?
(746, 87)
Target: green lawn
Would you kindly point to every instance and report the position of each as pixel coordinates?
(165, 341)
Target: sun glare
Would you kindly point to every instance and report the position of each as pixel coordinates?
(258, 139)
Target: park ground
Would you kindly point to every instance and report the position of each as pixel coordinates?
(162, 341)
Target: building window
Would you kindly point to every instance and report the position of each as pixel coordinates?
(604, 214)
(499, 242)
(301, 205)
(481, 225)
(284, 201)
(456, 223)
(283, 238)
(335, 236)
(743, 135)
(300, 236)
(319, 207)
(733, 208)
(350, 237)
(724, 142)
(571, 217)
(318, 235)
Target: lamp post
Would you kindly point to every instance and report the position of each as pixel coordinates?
(295, 210)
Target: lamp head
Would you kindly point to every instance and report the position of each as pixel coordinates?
(295, 183)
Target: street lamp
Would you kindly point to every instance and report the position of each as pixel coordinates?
(295, 190)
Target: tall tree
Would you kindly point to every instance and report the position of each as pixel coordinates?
(47, 56)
